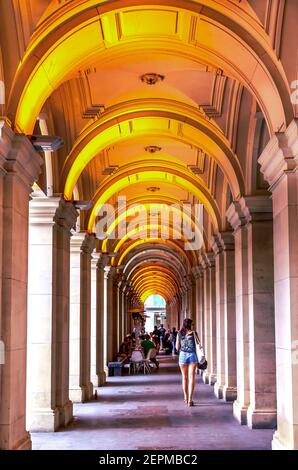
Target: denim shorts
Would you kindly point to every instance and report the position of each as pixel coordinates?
(187, 358)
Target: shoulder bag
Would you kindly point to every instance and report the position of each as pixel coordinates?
(202, 363)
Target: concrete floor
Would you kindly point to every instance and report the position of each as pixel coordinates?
(148, 413)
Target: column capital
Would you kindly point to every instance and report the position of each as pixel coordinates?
(248, 209)
(109, 272)
(102, 260)
(235, 215)
(196, 271)
(94, 257)
(280, 155)
(66, 215)
(22, 159)
(88, 243)
(216, 244)
(227, 241)
(42, 210)
(76, 241)
(6, 138)
(208, 260)
(256, 207)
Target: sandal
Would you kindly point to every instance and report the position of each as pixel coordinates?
(190, 403)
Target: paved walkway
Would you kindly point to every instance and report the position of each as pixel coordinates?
(148, 413)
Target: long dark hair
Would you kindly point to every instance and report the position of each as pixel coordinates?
(187, 322)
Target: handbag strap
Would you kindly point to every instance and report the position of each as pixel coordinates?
(197, 339)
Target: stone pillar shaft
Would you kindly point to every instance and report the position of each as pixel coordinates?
(85, 317)
(100, 323)
(230, 381)
(21, 168)
(210, 319)
(220, 307)
(262, 408)
(279, 163)
(238, 222)
(43, 412)
(65, 218)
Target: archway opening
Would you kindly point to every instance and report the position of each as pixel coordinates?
(155, 311)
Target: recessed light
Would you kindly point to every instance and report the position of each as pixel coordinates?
(152, 148)
(153, 189)
(151, 78)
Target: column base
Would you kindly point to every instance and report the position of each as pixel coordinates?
(240, 412)
(218, 390)
(44, 420)
(66, 413)
(277, 444)
(102, 378)
(87, 392)
(212, 379)
(25, 443)
(229, 393)
(261, 419)
(76, 395)
(205, 378)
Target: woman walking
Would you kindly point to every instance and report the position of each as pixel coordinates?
(186, 346)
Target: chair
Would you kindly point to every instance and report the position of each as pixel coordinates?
(151, 355)
(136, 361)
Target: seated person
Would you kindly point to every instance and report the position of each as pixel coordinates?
(155, 340)
(147, 345)
(126, 346)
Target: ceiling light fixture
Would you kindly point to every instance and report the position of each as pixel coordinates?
(152, 148)
(153, 189)
(151, 78)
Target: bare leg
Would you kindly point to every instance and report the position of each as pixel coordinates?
(191, 380)
(184, 371)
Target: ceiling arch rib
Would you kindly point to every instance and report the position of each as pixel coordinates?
(136, 173)
(155, 202)
(145, 229)
(64, 42)
(155, 257)
(146, 209)
(189, 256)
(165, 118)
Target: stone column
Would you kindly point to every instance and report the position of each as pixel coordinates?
(65, 219)
(220, 309)
(238, 222)
(230, 379)
(279, 163)
(82, 245)
(22, 167)
(206, 317)
(94, 261)
(76, 394)
(85, 317)
(109, 313)
(43, 411)
(201, 304)
(194, 282)
(262, 408)
(100, 321)
(209, 375)
(261, 396)
(120, 331)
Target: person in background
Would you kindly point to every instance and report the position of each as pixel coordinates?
(125, 347)
(186, 346)
(146, 344)
(173, 337)
(162, 332)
